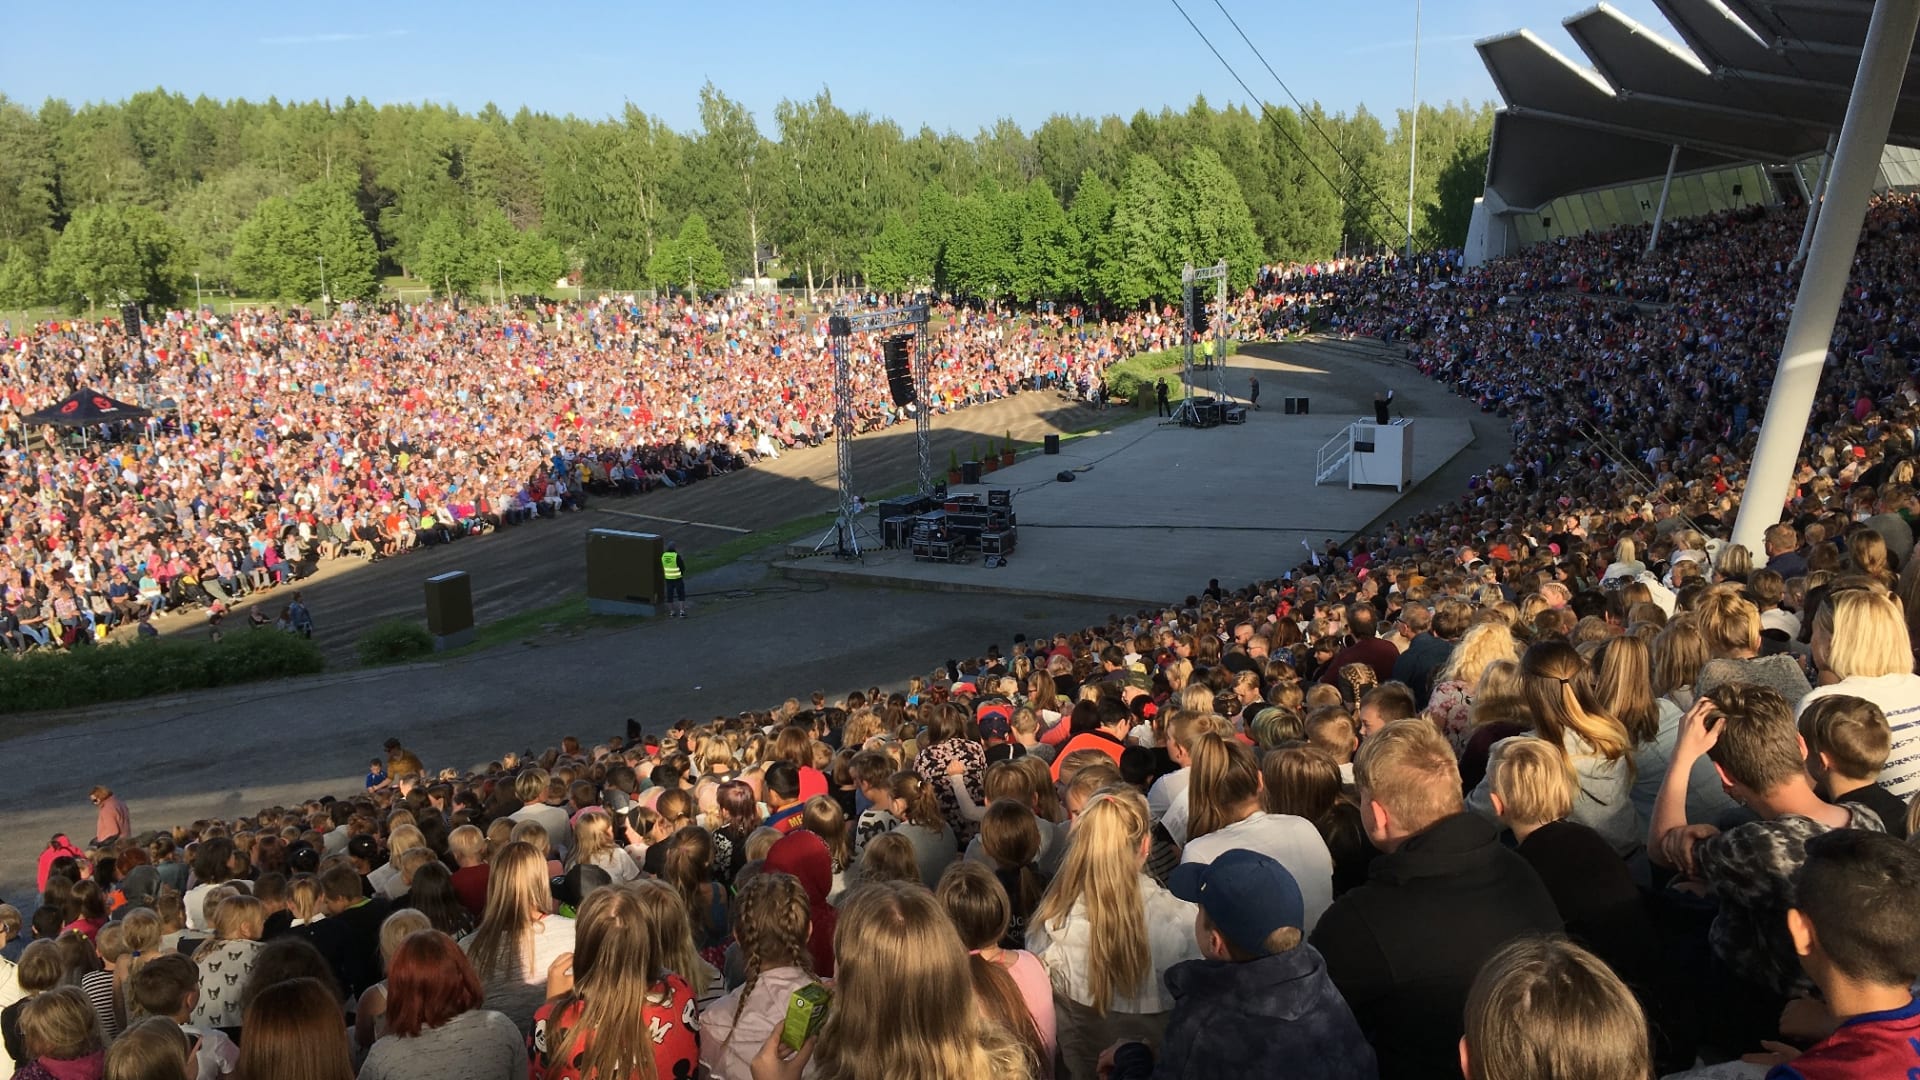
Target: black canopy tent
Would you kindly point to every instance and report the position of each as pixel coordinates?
(84, 407)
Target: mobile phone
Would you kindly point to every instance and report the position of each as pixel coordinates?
(806, 1012)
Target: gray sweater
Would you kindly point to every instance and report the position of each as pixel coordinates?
(479, 1044)
(1777, 672)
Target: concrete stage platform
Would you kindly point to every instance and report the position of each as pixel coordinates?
(1154, 511)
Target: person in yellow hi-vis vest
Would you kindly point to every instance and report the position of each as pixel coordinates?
(675, 574)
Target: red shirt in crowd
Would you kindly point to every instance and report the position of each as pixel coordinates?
(670, 1017)
(1868, 1045)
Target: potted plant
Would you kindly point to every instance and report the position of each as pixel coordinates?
(992, 460)
(1007, 451)
(953, 466)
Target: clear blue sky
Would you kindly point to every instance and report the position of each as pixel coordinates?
(958, 66)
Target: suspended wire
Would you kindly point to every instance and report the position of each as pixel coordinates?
(1393, 212)
(1268, 114)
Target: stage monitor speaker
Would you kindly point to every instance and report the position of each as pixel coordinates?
(898, 353)
(1065, 476)
(130, 319)
(1303, 406)
(1051, 445)
(1292, 406)
(450, 609)
(624, 576)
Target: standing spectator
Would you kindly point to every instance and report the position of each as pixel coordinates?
(1443, 896)
(1107, 933)
(1549, 1010)
(612, 999)
(112, 823)
(436, 1029)
(1847, 741)
(1861, 645)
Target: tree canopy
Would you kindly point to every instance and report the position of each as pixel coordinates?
(250, 195)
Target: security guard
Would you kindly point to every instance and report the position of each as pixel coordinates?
(675, 574)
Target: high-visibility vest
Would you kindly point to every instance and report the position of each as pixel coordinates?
(670, 564)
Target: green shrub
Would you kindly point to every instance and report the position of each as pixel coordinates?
(393, 642)
(1132, 379)
(96, 674)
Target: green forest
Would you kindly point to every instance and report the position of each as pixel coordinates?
(137, 200)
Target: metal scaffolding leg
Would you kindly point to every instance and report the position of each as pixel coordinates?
(1666, 186)
(1823, 280)
(922, 410)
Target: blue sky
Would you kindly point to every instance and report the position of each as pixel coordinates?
(957, 66)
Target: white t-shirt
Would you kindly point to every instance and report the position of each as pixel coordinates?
(1160, 799)
(1291, 841)
(1898, 696)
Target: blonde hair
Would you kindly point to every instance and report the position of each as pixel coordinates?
(1535, 782)
(1559, 693)
(517, 892)
(152, 1049)
(592, 836)
(1225, 777)
(1546, 1009)
(1409, 768)
(1728, 622)
(1866, 635)
(58, 1024)
(467, 842)
(1482, 644)
(395, 929)
(616, 966)
(1499, 696)
(303, 896)
(1101, 872)
(238, 918)
(905, 1005)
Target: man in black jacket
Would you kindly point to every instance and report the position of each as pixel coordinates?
(1443, 896)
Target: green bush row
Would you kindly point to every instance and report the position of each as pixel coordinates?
(95, 674)
(393, 642)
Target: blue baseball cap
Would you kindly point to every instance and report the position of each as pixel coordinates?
(1246, 895)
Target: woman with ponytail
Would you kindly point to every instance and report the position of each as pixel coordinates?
(1010, 984)
(1567, 714)
(923, 824)
(1226, 813)
(1107, 932)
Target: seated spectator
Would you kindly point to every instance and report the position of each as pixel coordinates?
(1258, 1001)
(294, 1030)
(804, 856)
(435, 1027)
(1731, 626)
(1107, 933)
(153, 1049)
(58, 1039)
(1226, 815)
(370, 1012)
(1549, 1010)
(168, 986)
(1847, 740)
(1010, 984)
(923, 825)
(1749, 734)
(612, 994)
(349, 936)
(903, 1002)
(1443, 896)
(1853, 924)
(519, 937)
(225, 959)
(772, 923)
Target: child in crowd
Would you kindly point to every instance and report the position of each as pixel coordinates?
(169, 986)
(1847, 744)
(1546, 1009)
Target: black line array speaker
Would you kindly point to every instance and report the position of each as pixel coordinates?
(1296, 406)
(898, 353)
(130, 319)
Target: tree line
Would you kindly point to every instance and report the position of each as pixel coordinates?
(133, 199)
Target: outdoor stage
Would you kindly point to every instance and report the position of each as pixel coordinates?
(1154, 511)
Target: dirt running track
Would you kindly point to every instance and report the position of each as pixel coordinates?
(543, 562)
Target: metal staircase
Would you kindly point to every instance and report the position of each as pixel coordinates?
(1334, 456)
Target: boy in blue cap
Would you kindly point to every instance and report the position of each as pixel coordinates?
(1259, 1002)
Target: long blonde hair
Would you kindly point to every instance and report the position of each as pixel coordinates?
(771, 922)
(905, 1005)
(592, 836)
(615, 969)
(1482, 644)
(1102, 871)
(517, 895)
(1560, 695)
(1225, 778)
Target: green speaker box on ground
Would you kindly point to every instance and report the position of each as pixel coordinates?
(450, 610)
(623, 572)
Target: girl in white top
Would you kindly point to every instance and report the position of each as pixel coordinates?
(1226, 814)
(519, 937)
(1107, 933)
(593, 846)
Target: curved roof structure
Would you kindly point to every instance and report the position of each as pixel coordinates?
(1747, 81)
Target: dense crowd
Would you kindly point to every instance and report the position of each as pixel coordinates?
(283, 438)
(1549, 783)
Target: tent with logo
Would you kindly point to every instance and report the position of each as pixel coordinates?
(86, 406)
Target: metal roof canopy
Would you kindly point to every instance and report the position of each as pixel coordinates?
(1760, 81)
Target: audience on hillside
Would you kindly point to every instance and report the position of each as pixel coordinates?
(1551, 783)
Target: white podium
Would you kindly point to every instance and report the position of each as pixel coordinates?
(1373, 454)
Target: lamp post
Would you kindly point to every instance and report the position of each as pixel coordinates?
(323, 286)
(1413, 129)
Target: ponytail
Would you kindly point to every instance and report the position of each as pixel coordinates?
(1225, 776)
(923, 808)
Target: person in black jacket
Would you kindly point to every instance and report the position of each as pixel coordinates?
(349, 937)
(1443, 896)
(1260, 1002)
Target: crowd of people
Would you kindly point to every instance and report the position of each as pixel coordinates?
(283, 438)
(1552, 782)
